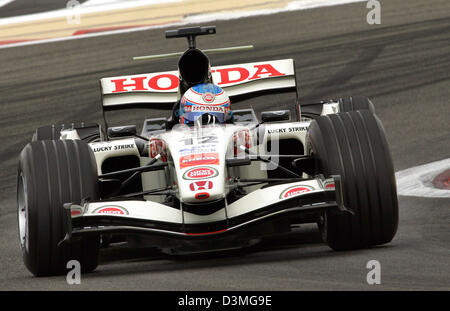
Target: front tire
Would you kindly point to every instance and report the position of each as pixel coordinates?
(353, 145)
(52, 173)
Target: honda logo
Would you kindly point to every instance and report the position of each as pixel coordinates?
(201, 185)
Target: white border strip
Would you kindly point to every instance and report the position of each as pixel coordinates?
(5, 2)
(297, 5)
(85, 8)
(292, 6)
(418, 181)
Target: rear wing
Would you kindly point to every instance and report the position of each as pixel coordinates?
(162, 87)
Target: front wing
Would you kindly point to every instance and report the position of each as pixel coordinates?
(287, 200)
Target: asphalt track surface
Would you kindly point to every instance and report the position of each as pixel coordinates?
(402, 64)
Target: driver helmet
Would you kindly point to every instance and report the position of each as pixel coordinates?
(206, 103)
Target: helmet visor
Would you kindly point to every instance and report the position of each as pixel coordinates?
(191, 117)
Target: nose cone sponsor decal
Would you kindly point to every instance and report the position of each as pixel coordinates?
(294, 191)
(199, 159)
(203, 172)
(111, 210)
(199, 149)
(202, 195)
(201, 185)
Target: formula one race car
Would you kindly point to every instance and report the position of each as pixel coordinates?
(208, 177)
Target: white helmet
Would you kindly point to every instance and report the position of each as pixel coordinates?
(206, 101)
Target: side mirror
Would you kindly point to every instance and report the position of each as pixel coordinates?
(121, 131)
(274, 116)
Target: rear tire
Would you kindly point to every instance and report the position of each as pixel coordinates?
(88, 132)
(353, 145)
(354, 103)
(346, 104)
(52, 173)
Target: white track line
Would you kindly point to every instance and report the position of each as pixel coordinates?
(85, 8)
(292, 6)
(418, 181)
(121, 2)
(5, 2)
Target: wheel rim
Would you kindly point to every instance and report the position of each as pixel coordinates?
(22, 207)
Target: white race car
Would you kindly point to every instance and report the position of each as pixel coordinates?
(204, 186)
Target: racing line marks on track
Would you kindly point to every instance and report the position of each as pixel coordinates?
(429, 180)
(339, 80)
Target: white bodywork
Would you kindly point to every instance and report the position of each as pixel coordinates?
(185, 141)
(198, 154)
(258, 199)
